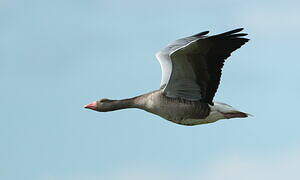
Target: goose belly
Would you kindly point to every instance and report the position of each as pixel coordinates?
(212, 117)
(189, 116)
(177, 110)
(192, 122)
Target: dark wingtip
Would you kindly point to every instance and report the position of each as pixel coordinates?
(201, 34)
(238, 30)
(232, 33)
(242, 34)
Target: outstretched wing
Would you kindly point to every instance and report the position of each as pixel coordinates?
(192, 66)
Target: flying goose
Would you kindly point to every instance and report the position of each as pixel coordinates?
(191, 72)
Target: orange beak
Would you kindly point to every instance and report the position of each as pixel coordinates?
(92, 106)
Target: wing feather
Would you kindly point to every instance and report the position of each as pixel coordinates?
(192, 66)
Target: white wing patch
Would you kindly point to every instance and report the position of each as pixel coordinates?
(166, 67)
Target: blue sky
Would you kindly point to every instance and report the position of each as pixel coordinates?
(56, 56)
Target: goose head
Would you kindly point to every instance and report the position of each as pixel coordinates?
(102, 105)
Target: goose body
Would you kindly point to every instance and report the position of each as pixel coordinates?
(191, 72)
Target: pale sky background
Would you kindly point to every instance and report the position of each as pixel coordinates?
(56, 56)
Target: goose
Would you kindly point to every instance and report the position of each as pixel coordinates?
(191, 72)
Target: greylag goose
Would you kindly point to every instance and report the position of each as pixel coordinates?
(191, 72)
